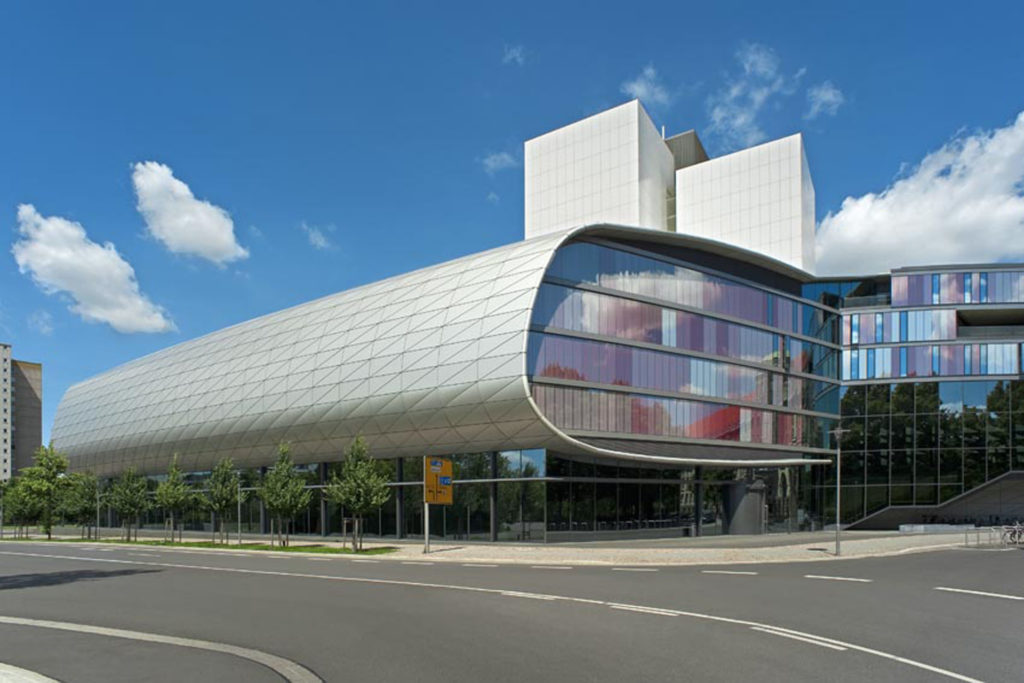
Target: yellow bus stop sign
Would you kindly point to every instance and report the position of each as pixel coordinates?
(437, 480)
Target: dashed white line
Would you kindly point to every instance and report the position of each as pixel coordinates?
(812, 641)
(837, 578)
(632, 569)
(471, 564)
(731, 573)
(531, 596)
(422, 564)
(645, 610)
(549, 566)
(984, 594)
(367, 561)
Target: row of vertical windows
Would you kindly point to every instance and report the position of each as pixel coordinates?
(594, 410)
(577, 310)
(554, 356)
(582, 262)
(899, 326)
(931, 361)
(958, 288)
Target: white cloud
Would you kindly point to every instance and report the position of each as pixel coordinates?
(184, 224)
(734, 109)
(317, 237)
(647, 88)
(964, 203)
(61, 258)
(498, 161)
(42, 322)
(514, 54)
(824, 98)
(493, 197)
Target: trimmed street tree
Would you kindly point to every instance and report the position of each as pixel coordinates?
(284, 493)
(173, 495)
(78, 502)
(22, 508)
(129, 496)
(361, 489)
(43, 483)
(222, 494)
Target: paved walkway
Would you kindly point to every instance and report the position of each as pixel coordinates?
(798, 547)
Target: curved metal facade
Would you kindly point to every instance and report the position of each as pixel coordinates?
(425, 363)
(428, 363)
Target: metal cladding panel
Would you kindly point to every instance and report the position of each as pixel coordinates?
(407, 362)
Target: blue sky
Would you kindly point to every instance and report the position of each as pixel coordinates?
(329, 145)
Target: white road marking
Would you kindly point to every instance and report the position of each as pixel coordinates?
(645, 610)
(289, 670)
(632, 569)
(497, 591)
(420, 563)
(470, 564)
(800, 638)
(367, 561)
(723, 571)
(837, 578)
(319, 559)
(531, 596)
(13, 674)
(144, 554)
(985, 594)
(548, 566)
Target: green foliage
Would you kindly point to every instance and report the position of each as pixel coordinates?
(44, 482)
(19, 506)
(78, 502)
(222, 490)
(129, 496)
(362, 486)
(283, 491)
(173, 494)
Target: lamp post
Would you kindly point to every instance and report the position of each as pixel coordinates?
(838, 433)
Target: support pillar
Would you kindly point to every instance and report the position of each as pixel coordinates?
(698, 500)
(493, 488)
(400, 499)
(323, 499)
(264, 525)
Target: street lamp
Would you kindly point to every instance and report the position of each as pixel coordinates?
(838, 433)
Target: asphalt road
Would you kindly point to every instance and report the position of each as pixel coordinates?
(268, 618)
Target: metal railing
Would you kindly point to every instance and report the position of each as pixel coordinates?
(1008, 536)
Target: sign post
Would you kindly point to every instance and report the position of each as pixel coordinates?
(437, 490)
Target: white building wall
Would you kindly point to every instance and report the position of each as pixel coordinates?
(6, 412)
(608, 168)
(657, 175)
(760, 198)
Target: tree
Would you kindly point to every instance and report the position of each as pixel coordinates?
(284, 493)
(173, 495)
(44, 483)
(362, 487)
(78, 501)
(23, 509)
(129, 496)
(223, 492)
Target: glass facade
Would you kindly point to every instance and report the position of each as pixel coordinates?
(632, 344)
(923, 443)
(971, 287)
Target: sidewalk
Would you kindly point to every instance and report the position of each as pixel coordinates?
(799, 547)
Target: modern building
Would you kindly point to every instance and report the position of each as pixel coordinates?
(21, 412)
(655, 358)
(615, 167)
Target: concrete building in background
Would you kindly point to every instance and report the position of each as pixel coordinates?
(616, 167)
(21, 412)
